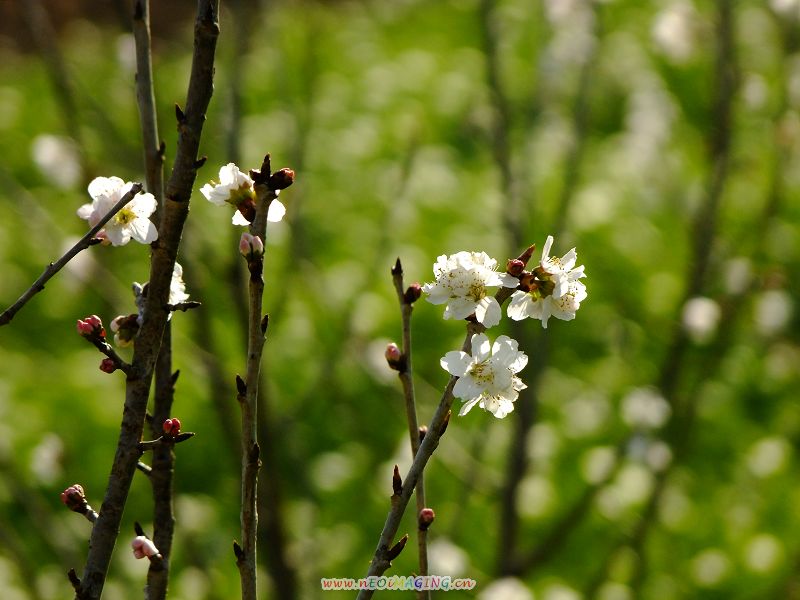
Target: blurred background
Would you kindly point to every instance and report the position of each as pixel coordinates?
(654, 454)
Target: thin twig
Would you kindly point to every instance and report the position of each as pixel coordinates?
(407, 379)
(161, 471)
(248, 400)
(87, 240)
(148, 342)
(381, 559)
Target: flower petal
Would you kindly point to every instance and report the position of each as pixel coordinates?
(488, 312)
(238, 219)
(276, 211)
(467, 406)
(480, 347)
(456, 362)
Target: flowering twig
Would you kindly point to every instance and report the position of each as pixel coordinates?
(248, 388)
(384, 554)
(406, 299)
(87, 240)
(164, 252)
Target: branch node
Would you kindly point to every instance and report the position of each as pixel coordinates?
(395, 550)
(180, 116)
(237, 550)
(397, 269)
(241, 386)
(397, 482)
(264, 324)
(74, 580)
(200, 162)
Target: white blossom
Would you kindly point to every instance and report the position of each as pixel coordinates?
(177, 288)
(461, 283)
(555, 292)
(236, 188)
(488, 376)
(133, 221)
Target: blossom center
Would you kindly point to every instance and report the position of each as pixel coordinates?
(482, 373)
(125, 216)
(476, 291)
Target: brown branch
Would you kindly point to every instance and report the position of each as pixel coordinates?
(148, 342)
(54, 267)
(383, 555)
(248, 396)
(406, 299)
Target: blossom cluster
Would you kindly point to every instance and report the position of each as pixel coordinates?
(488, 376)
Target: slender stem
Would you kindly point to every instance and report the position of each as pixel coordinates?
(148, 342)
(380, 559)
(55, 267)
(145, 96)
(407, 379)
(246, 557)
(163, 462)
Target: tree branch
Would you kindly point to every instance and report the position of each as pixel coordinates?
(54, 267)
(148, 342)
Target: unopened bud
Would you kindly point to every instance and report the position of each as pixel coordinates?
(423, 431)
(125, 329)
(142, 546)
(515, 267)
(251, 245)
(397, 482)
(91, 326)
(172, 427)
(394, 357)
(413, 293)
(425, 519)
(74, 498)
(281, 179)
(107, 365)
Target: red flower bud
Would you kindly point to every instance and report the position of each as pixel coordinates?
(413, 293)
(425, 519)
(515, 267)
(172, 427)
(281, 179)
(107, 365)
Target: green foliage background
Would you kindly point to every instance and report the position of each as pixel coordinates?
(386, 112)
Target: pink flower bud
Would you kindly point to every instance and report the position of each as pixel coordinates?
(91, 326)
(172, 427)
(107, 365)
(426, 517)
(74, 498)
(394, 357)
(143, 547)
(251, 245)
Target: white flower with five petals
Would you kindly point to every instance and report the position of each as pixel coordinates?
(461, 282)
(487, 377)
(554, 292)
(132, 221)
(236, 188)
